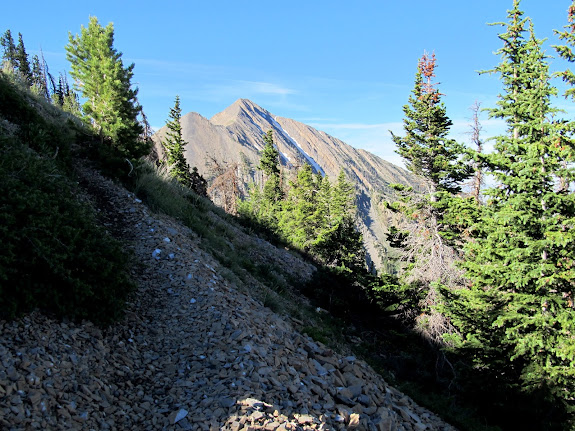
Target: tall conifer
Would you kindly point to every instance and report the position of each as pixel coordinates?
(338, 242)
(101, 77)
(22, 62)
(425, 238)
(174, 145)
(517, 316)
(39, 78)
(270, 166)
(9, 48)
(426, 148)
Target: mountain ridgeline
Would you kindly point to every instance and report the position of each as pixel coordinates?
(235, 135)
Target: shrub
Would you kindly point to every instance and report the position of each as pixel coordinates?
(54, 256)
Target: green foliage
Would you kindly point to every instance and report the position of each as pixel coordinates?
(517, 317)
(39, 82)
(9, 48)
(101, 77)
(566, 51)
(269, 160)
(54, 256)
(174, 144)
(312, 215)
(429, 234)
(425, 148)
(338, 242)
(22, 62)
(298, 219)
(264, 205)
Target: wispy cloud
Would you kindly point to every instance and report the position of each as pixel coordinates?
(272, 95)
(259, 87)
(178, 68)
(352, 126)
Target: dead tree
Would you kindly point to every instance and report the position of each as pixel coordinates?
(224, 189)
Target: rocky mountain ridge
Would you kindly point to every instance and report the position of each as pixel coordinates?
(235, 135)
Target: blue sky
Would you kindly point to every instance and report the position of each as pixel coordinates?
(344, 67)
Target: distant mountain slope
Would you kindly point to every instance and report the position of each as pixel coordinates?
(235, 135)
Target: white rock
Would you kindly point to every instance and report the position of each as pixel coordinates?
(156, 254)
(166, 239)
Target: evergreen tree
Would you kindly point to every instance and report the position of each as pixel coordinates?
(101, 77)
(265, 205)
(425, 148)
(517, 317)
(298, 219)
(174, 145)
(65, 97)
(198, 183)
(22, 62)
(7, 42)
(566, 51)
(39, 77)
(426, 236)
(338, 241)
(269, 160)
(270, 165)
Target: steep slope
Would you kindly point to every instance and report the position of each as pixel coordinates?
(193, 353)
(235, 135)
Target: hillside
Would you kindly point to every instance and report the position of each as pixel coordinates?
(194, 351)
(235, 135)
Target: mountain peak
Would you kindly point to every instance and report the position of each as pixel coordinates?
(241, 107)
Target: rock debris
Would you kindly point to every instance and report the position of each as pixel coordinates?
(193, 353)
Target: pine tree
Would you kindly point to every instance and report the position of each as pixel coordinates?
(517, 316)
(426, 149)
(174, 145)
(566, 51)
(9, 54)
(198, 183)
(22, 62)
(264, 205)
(298, 219)
(269, 160)
(270, 166)
(338, 242)
(101, 77)
(426, 237)
(39, 77)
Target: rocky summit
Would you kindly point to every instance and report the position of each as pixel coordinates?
(193, 353)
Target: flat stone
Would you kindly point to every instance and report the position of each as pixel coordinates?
(178, 415)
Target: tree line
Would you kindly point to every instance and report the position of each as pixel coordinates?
(492, 279)
(308, 211)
